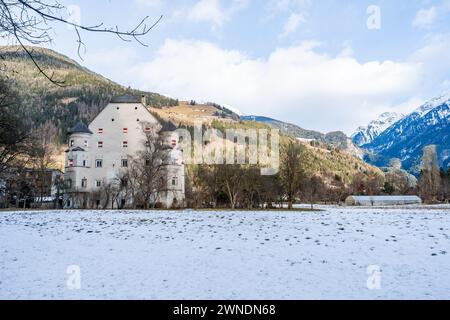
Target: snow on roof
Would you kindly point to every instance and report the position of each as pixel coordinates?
(385, 198)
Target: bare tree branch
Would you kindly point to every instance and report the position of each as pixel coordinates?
(30, 21)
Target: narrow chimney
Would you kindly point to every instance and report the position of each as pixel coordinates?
(144, 100)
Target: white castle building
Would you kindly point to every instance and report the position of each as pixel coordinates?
(102, 152)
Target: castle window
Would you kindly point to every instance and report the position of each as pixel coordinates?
(125, 144)
(124, 163)
(98, 183)
(84, 163)
(100, 130)
(86, 143)
(147, 129)
(84, 183)
(69, 183)
(112, 119)
(138, 120)
(100, 144)
(125, 130)
(71, 143)
(99, 163)
(174, 181)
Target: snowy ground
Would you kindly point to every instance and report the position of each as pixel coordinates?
(226, 255)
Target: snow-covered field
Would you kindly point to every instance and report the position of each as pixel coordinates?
(226, 255)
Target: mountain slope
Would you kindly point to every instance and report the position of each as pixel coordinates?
(429, 124)
(337, 139)
(87, 93)
(287, 128)
(366, 134)
(84, 95)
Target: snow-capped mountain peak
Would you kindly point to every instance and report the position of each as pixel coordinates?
(405, 139)
(366, 134)
(432, 104)
(233, 109)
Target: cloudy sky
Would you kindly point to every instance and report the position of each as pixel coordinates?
(322, 64)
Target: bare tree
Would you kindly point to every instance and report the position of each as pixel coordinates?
(18, 186)
(358, 184)
(313, 188)
(290, 171)
(123, 189)
(231, 180)
(252, 186)
(30, 22)
(445, 181)
(59, 186)
(399, 182)
(271, 191)
(108, 192)
(146, 172)
(14, 132)
(430, 177)
(43, 156)
(374, 184)
(202, 185)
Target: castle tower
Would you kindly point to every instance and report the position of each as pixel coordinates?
(77, 166)
(174, 166)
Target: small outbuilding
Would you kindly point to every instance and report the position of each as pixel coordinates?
(382, 200)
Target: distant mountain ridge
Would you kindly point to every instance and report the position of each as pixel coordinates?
(287, 128)
(337, 139)
(405, 139)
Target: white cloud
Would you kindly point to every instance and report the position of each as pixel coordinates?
(296, 84)
(283, 5)
(425, 17)
(212, 11)
(292, 24)
(114, 63)
(208, 11)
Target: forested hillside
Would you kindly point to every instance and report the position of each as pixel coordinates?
(82, 97)
(85, 93)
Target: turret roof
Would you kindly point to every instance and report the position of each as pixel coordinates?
(126, 98)
(168, 127)
(80, 127)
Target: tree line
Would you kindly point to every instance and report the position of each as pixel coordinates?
(26, 152)
(242, 186)
(24, 147)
